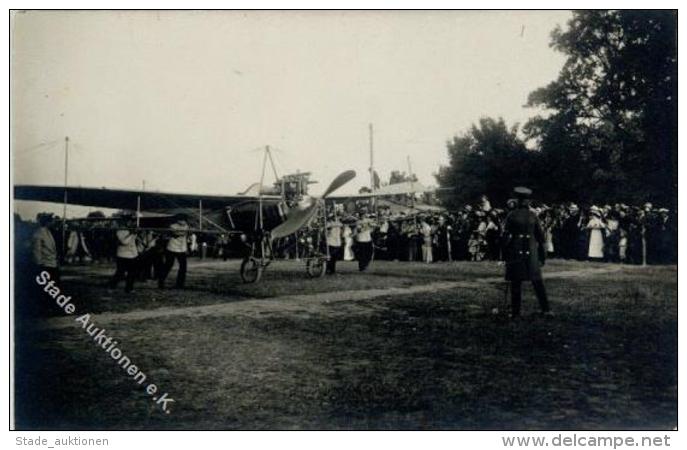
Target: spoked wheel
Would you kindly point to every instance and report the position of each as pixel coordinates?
(316, 267)
(251, 270)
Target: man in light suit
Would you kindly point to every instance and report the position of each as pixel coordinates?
(364, 248)
(127, 256)
(177, 248)
(333, 236)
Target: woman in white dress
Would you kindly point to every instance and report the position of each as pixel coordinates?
(347, 234)
(547, 225)
(612, 238)
(596, 234)
(426, 230)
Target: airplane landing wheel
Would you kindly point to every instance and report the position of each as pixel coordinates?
(251, 270)
(316, 267)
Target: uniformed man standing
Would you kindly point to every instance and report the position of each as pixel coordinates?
(149, 255)
(364, 248)
(334, 228)
(177, 247)
(127, 256)
(524, 252)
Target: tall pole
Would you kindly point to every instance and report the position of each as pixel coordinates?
(138, 204)
(412, 189)
(66, 174)
(138, 211)
(410, 171)
(64, 206)
(372, 168)
(200, 214)
(262, 181)
(643, 245)
(372, 160)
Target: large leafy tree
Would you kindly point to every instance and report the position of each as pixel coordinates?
(489, 159)
(610, 127)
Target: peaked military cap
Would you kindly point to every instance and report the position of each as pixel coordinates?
(522, 192)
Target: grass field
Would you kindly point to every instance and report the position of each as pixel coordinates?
(404, 346)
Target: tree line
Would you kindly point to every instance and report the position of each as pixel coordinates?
(607, 128)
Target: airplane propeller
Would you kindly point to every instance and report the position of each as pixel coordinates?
(301, 216)
(339, 181)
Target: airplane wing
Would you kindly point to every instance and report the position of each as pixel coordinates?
(405, 188)
(128, 199)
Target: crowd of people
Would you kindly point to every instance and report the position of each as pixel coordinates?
(139, 254)
(612, 233)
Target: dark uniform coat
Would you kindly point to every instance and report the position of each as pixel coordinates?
(523, 246)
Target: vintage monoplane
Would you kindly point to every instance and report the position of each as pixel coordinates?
(262, 216)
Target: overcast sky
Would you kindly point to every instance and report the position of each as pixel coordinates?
(182, 100)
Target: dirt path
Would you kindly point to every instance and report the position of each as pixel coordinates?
(297, 303)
